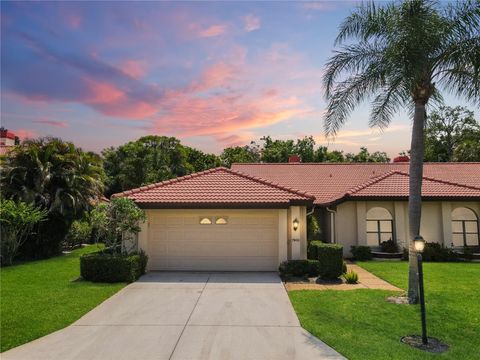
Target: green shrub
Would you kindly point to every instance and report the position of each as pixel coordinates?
(389, 246)
(330, 257)
(110, 268)
(312, 227)
(17, 220)
(79, 233)
(344, 267)
(468, 252)
(361, 253)
(438, 252)
(312, 249)
(299, 268)
(351, 277)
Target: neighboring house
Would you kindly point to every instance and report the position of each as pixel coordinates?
(366, 203)
(7, 141)
(254, 216)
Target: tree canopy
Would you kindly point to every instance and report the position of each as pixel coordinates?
(152, 159)
(452, 134)
(58, 177)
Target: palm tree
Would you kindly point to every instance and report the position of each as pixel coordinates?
(57, 177)
(401, 55)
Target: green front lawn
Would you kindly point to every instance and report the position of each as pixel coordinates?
(360, 324)
(42, 296)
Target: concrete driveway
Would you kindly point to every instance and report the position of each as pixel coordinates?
(179, 315)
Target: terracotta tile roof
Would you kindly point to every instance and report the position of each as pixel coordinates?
(330, 182)
(395, 184)
(219, 187)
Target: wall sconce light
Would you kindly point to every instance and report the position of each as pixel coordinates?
(295, 224)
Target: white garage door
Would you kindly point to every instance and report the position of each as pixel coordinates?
(247, 242)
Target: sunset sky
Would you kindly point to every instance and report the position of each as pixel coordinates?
(213, 74)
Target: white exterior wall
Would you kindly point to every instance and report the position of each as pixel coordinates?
(350, 221)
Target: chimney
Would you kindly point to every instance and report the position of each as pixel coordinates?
(401, 158)
(294, 159)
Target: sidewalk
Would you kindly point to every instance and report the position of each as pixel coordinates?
(366, 280)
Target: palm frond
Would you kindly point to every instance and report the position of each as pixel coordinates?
(348, 94)
(386, 103)
(353, 58)
(366, 22)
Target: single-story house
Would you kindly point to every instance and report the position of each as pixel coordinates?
(254, 216)
(367, 203)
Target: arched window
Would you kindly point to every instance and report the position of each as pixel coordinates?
(464, 227)
(221, 221)
(205, 221)
(379, 226)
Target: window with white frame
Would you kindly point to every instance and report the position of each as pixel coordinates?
(464, 227)
(379, 226)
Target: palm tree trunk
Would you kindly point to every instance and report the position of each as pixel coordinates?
(415, 197)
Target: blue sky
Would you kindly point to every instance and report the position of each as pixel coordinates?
(213, 74)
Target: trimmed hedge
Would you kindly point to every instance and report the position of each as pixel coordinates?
(312, 249)
(389, 246)
(361, 253)
(299, 268)
(330, 257)
(110, 268)
(434, 252)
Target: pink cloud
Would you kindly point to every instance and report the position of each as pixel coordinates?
(211, 31)
(231, 100)
(252, 23)
(103, 93)
(215, 76)
(54, 123)
(133, 68)
(112, 101)
(25, 133)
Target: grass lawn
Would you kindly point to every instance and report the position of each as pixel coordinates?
(360, 324)
(42, 296)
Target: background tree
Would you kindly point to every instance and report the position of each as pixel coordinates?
(240, 154)
(322, 154)
(447, 131)
(276, 151)
(151, 159)
(55, 176)
(16, 223)
(401, 54)
(365, 156)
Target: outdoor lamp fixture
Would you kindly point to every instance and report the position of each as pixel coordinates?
(295, 224)
(428, 344)
(419, 244)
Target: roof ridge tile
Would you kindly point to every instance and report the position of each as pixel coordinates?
(270, 183)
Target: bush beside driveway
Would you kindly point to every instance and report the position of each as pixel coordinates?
(43, 296)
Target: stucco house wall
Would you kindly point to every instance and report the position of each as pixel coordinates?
(350, 221)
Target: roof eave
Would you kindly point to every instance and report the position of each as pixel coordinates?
(223, 205)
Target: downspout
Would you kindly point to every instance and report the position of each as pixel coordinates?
(311, 212)
(333, 230)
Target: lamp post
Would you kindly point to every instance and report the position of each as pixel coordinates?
(419, 244)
